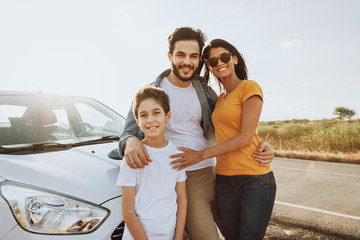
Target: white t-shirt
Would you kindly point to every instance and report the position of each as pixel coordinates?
(155, 195)
(184, 128)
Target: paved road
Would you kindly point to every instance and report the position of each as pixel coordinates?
(318, 195)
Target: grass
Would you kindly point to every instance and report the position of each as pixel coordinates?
(325, 140)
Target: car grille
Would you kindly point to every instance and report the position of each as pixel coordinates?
(118, 233)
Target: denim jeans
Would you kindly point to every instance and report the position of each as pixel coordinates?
(245, 204)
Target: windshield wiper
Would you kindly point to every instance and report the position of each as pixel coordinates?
(53, 146)
(103, 139)
(111, 137)
(36, 147)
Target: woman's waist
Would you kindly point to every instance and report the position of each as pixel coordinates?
(240, 163)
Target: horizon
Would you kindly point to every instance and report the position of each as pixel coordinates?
(314, 120)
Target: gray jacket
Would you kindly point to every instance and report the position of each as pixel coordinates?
(207, 98)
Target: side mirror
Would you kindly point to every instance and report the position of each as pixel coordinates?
(114, 154)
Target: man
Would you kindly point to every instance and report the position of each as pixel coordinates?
(191, 102)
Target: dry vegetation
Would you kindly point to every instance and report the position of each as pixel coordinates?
(327, 140)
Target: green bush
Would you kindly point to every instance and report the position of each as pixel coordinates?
(323, 135)
(294, 130)
(268, 131)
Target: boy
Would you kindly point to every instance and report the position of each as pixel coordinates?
(153, 198)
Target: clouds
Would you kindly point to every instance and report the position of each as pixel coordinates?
(295, 43)
(284, 4)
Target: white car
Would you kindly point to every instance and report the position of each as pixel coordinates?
(57, 180)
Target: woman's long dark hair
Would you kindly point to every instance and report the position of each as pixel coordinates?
(240, 68)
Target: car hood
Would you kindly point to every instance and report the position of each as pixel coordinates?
(85, 172)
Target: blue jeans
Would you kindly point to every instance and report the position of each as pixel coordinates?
(245, 204)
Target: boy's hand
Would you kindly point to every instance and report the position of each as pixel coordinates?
(265, 154)
(135, 153)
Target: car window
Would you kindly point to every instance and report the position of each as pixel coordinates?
(62, 117)
(28, 119)
(89, 115)
(13, 111)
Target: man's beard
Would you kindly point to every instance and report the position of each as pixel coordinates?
(177, 73)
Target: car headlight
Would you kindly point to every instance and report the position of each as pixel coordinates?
(43, 211)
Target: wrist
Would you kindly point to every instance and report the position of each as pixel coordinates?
(130, 140)
(203, 154)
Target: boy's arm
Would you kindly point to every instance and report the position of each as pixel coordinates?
(132, 222)
(181, 211)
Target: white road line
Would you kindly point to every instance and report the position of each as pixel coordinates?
(317, 210)
(330, 173)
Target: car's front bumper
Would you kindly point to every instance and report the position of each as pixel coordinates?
(7, 220)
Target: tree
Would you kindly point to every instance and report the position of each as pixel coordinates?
(343, 112)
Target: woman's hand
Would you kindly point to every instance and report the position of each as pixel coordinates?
(187, 158)
(265, 154)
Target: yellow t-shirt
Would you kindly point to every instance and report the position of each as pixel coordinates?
(227, 121)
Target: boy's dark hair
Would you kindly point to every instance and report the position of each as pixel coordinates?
(186, 33)
(155, 93)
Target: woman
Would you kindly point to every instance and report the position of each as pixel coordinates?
(245, 189)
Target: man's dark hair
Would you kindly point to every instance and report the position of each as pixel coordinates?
(150, 92)
(187, 33)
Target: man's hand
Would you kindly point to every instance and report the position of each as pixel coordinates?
(265, 154)
(135, 153)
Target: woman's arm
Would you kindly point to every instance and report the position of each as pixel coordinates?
(250, 118)
(132, 222)
(181, 212)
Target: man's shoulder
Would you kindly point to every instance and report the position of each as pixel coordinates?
(202, 83)
(199, 78)
(161, 77)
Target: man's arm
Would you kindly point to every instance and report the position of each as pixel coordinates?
(132, 222)
(181, 211)
(131, 129)
(130, 145)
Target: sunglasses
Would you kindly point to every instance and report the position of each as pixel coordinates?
(224, 57)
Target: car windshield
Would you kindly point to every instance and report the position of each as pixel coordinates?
(43, 120)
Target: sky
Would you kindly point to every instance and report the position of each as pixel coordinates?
(305, 54)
